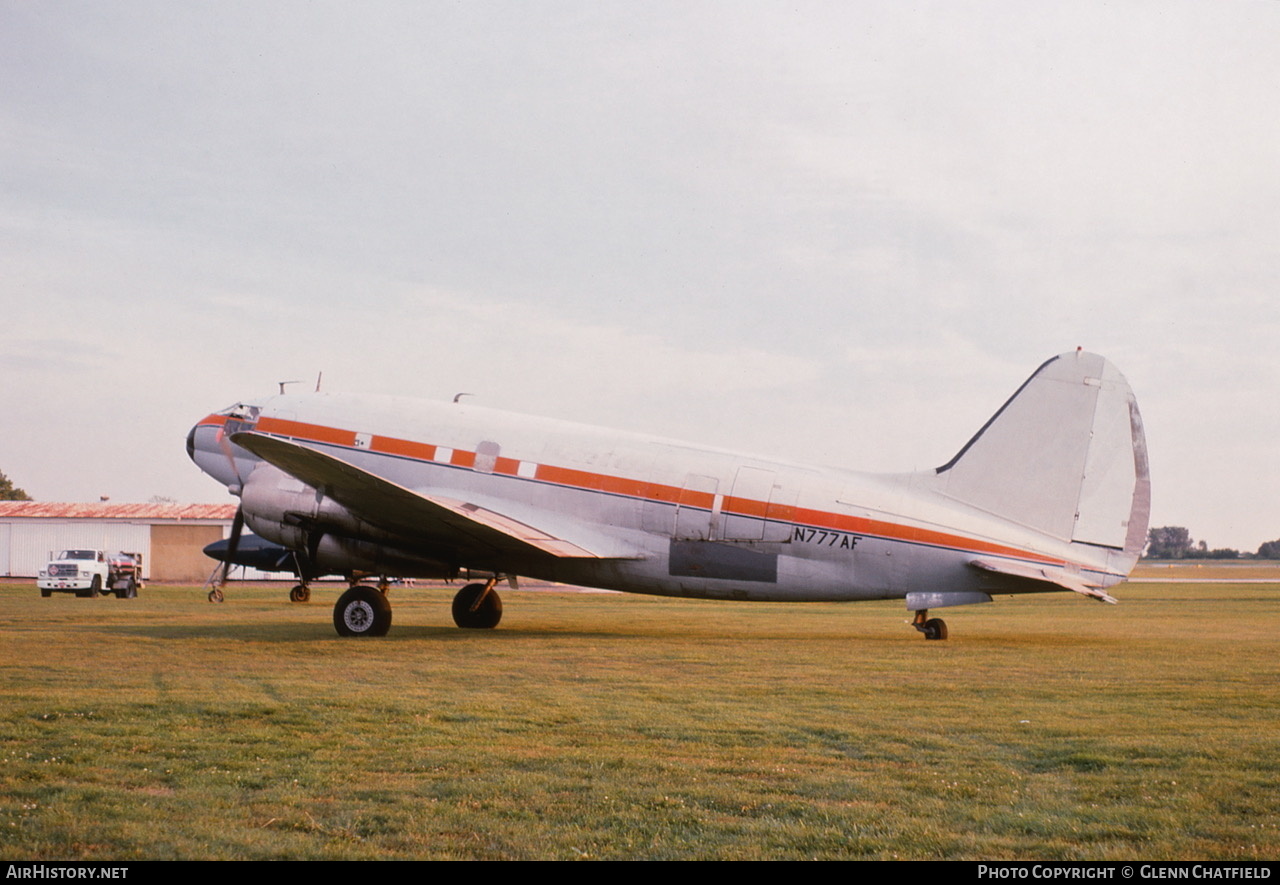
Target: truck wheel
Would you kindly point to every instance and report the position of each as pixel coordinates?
(131, 592)
(46, 593)
(95, 589)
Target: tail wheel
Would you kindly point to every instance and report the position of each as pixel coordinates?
(300, 593)
(932, 628)
(362, 611)
(476, 609)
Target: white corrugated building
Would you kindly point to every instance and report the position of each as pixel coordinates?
(170, 537)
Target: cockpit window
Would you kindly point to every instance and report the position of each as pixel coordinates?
(239, 417)
(241, 412)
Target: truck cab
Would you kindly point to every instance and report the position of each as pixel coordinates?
(89, 572)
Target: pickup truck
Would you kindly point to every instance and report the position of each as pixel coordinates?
(91, 573)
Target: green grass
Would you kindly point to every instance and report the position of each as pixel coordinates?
(602, 726)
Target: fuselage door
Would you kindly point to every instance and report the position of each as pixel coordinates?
(698, 507)
(748, 505)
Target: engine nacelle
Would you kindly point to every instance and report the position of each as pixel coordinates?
(283, 509)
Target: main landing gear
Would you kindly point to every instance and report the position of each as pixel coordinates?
(932, 628)
(362, 611)
(478, 606)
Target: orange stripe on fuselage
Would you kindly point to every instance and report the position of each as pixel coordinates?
(658, 492)
(506, 466)
(859, 525)
(389, 445)
(596, 482)
(311, 432)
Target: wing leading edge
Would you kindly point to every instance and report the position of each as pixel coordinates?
(395, 508)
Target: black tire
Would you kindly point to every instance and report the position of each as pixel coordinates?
(935, 628)
(487, 614)
(95, 589)
(300, 593)
(130, 590)
(46, 593)
(362, 611)
(215, 595)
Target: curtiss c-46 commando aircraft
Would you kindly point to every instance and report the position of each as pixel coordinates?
(1052, 493)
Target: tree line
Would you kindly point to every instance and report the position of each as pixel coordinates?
(1174, 542)
(9, 493)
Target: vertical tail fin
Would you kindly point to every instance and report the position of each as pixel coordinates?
(1066, 455)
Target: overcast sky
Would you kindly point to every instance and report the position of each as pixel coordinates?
(839, 232)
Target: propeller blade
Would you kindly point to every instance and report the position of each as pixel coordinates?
(237, 526)
(313, 546)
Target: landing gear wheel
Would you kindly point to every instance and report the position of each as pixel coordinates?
(476, 613)
(215, 595)
(932, 628)
(362, 611)
(300, 593)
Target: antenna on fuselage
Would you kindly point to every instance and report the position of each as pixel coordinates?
(283, 383)
(319, 375)
(458, 396)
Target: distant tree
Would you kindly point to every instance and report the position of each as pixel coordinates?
(1270, 550)
(1202, 551)
(1168, 542)
(9, 493)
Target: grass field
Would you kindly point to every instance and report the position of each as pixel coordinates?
(605, 726)
(1209, 570)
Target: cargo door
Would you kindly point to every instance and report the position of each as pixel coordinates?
(698, 508)
(748, 504)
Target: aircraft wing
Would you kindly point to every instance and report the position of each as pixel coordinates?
(1056, 578)
(397, 509)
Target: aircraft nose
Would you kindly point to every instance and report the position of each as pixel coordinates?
(191, 442)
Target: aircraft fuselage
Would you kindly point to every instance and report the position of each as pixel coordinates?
(657, 516)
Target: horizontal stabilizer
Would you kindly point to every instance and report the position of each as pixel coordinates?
(397, 509)
(1056, 578)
